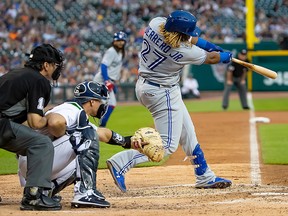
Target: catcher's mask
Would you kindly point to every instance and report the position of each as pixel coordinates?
(90, 90)
(48, 53)
(182, 21)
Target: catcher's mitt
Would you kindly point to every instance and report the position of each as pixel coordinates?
(154, 150)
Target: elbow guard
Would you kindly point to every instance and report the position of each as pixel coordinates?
(209, 47)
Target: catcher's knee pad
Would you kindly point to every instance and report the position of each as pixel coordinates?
(199, 161)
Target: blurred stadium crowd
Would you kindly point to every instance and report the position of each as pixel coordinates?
(83, 29)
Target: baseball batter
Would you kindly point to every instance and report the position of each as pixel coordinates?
(110, 71)
(168, 45)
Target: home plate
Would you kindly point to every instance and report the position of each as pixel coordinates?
(259, 119)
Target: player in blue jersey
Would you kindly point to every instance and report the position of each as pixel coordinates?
(110, 71)
(168, 45)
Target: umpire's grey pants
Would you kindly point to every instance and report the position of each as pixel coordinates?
(39, 151)
(242, 92)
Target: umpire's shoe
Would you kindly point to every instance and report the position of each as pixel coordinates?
(119, 179)
(33, 199)
(89, 199)
(217, 183)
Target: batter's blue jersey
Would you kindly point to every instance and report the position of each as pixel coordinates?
(162, 63)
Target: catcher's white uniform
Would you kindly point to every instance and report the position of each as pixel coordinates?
(65, 162)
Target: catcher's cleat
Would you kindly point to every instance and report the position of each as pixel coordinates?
(119, 179)
(33, 199)
(89, 199)
(57, 198)
(99, 195)
(217, 183)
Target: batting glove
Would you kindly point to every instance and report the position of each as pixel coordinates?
(109, 85)
(225, 57)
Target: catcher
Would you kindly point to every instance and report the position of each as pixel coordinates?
(76, 145)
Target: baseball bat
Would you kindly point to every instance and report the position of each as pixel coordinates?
(258, 69)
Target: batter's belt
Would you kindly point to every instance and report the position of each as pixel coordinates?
(156, 84)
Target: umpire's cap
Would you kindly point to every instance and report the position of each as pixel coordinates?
(243, 52)
(46, 53)
(90, 90)
(182, 21)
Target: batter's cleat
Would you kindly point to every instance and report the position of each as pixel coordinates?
(33, 199)
(217, 183)
(89, 199)
(119, 179)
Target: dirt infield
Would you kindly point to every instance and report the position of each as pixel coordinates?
(168, 190)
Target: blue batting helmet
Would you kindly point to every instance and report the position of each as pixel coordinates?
(120, 36)
(182, 21)
(90, 90)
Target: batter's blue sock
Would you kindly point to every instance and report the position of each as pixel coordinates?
(105, 118)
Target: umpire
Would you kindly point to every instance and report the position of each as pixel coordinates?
(236, 75)
(24, 93)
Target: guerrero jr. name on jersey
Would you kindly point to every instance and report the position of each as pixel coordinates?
(157, 40)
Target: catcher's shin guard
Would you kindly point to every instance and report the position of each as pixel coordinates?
(86, 194)
(88, 165)
(198, 160)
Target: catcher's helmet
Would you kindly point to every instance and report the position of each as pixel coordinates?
(120, 36)
(90, 90)
(182, 21)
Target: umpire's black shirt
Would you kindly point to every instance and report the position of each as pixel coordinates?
(237, 69)
(23, 91)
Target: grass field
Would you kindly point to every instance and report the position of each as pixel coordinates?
(126, 119)
(274, 141)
